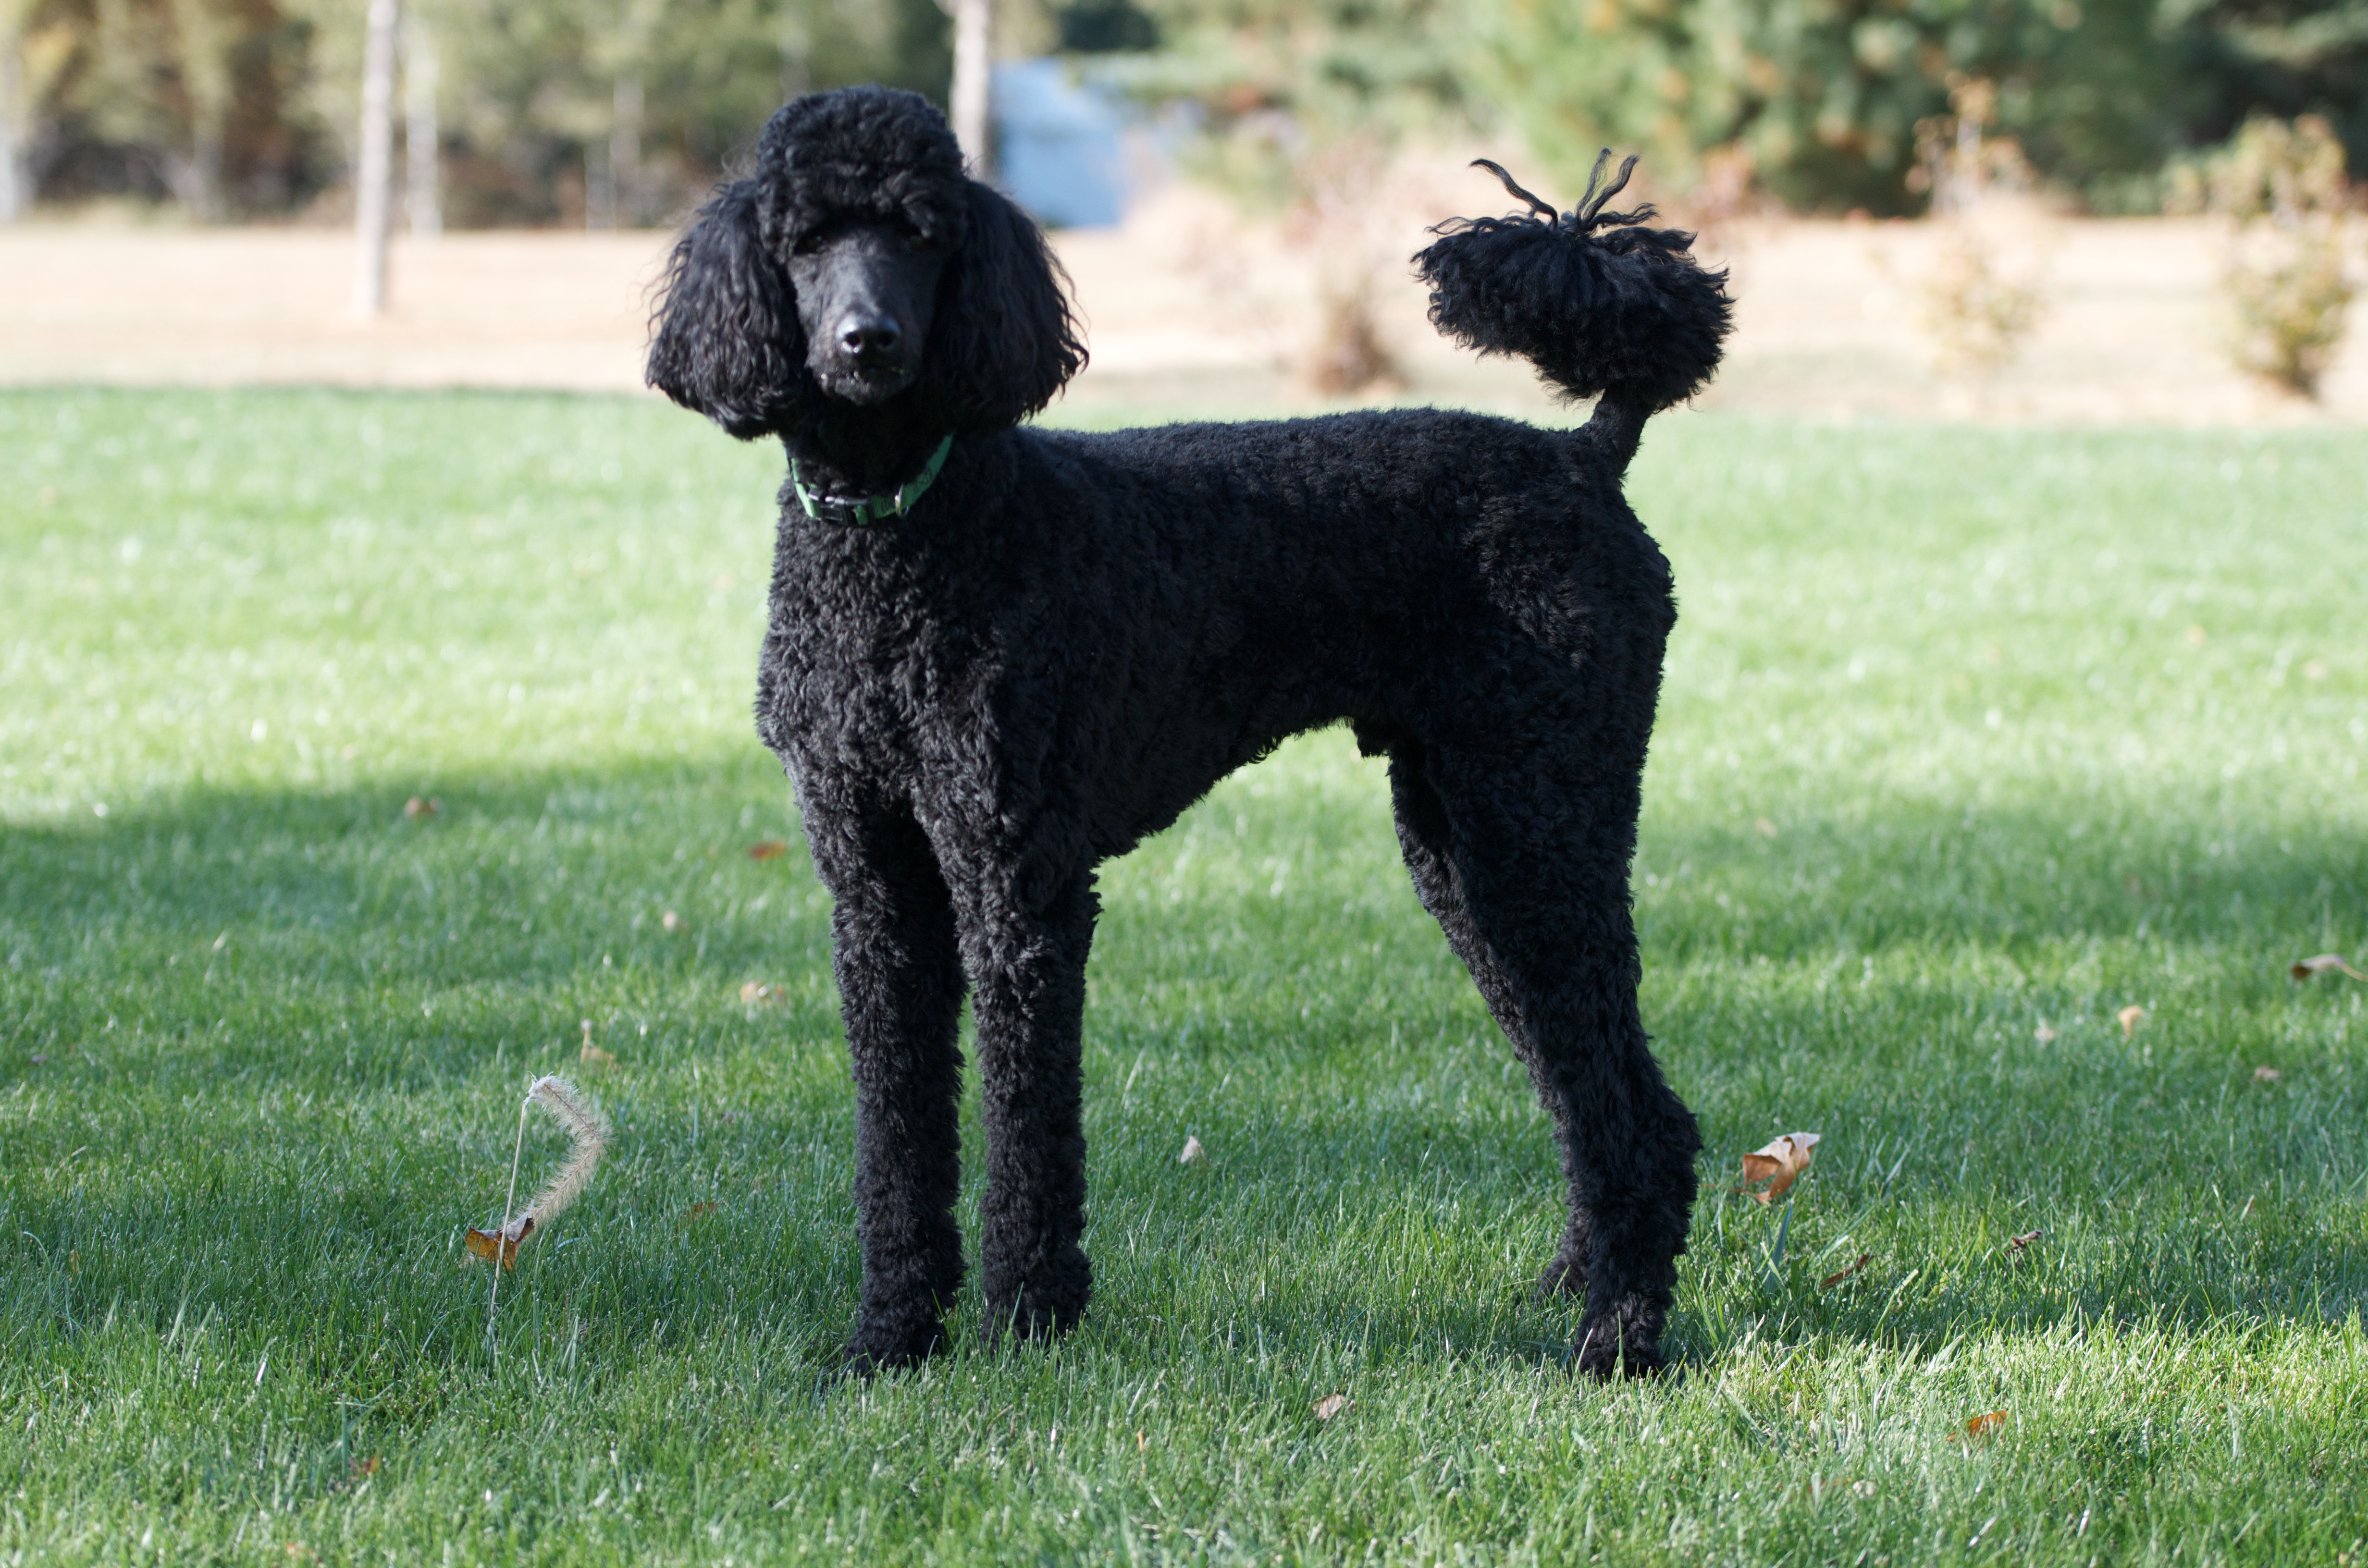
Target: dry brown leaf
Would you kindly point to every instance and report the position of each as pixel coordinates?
(2130, 1016)
(417, 807)
(1332, 1405)
(486, 1245)
(2196, 635)
(2265, 1073)
(1980, 1427)
(1764, 828)
(593, 1056)
(771, 849)
(757, 991)
(671, 921)
(1780, 1164)
(2043, 1035)
(365, 1467)
(2323, 963)
(699, 1212)
(1192, 1151)
(2016, 1244)
(1830, 1280)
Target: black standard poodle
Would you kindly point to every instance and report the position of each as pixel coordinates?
(999, 655)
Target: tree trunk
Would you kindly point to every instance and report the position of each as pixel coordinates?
(974, 70)
(204, 38)
(375, 171)
(16, 124)
(421, 139)
(625, 149)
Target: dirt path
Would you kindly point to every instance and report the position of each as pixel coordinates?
(1186, 311)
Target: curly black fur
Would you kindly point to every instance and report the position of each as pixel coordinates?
(728, 342)
(1071, 637)
(1626, 314)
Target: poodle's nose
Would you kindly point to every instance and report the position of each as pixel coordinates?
(861, 336)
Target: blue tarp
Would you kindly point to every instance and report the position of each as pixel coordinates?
(1061, 145)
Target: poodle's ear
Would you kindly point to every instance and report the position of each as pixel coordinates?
(1003, 341)
(728, 344)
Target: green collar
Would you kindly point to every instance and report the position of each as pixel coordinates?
(872, 508)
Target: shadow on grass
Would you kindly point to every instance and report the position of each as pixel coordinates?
(256, 1031)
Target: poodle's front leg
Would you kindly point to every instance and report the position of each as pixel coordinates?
(1027, 993)
(900, 987)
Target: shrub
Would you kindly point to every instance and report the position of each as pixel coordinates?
(2281, 187)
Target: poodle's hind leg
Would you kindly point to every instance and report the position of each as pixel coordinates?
(900, 981)
(1526, 872)
(1028, 995)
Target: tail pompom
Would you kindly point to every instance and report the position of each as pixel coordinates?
(1597, 301)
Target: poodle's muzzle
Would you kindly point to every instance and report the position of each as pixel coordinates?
(865, 293)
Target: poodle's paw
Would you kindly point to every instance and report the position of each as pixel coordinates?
(886, 1342)
(1611, 1344)
(1565, 1276)
(1049, 1302)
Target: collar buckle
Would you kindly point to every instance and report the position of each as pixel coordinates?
(870, 509)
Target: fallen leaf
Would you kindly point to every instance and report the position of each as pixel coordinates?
(487, 1244)
(1830, 1280)
(756, 991)
(593, 1056)
(2130, 1016)
(2196, 635)
(2266, 1073)
(1192, 1151)
(1764, 828)
(2016, 1244)
(2043, 1035)
(417, 807)
(771, 849)
(698, 1211)
(365, 1467)
(1980, 1427)
(1780, 1164)
(2323, 963)
(2314, 669)
(1141, 1442)
(671, 921)
(1332, 1405)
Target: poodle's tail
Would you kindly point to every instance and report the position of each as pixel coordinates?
(1597, 302)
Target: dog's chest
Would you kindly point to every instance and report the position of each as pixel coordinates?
(871, 656)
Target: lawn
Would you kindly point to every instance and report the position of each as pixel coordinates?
(1971, 740)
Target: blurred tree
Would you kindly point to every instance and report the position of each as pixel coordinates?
(193, 101)
(1823, 95)
(530, 111)
(2281, 189)
(1303, 104)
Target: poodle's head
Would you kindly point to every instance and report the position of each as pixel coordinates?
(856, 266)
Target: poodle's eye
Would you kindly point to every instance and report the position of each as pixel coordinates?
(805, 244)
(916, 242)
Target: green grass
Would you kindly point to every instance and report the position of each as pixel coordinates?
(1942, 761)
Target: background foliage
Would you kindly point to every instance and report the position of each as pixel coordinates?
(1824, 95)
(241, 108)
